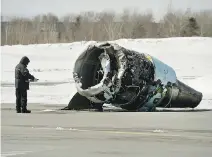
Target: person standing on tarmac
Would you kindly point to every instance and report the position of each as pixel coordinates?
(22, 79)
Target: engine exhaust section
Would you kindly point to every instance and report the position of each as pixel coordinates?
(106, 73)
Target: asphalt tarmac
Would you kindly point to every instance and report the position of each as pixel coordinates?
(56, 133)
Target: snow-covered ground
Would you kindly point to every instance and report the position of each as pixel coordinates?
(53, 64)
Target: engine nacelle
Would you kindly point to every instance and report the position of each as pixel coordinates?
(111, 74)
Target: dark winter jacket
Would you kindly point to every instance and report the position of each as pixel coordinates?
(22, 75)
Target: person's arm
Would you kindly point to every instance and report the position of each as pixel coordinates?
(27, 74)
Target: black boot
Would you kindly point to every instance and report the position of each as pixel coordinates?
(18, 109)
(24, 110)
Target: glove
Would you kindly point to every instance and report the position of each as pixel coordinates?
(34, 80)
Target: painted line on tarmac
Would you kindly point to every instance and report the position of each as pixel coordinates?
(14, 153)
(140, 133)
(153, 133)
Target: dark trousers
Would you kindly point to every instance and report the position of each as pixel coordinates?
(21, 99)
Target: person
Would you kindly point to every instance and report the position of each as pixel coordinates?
(22, 79)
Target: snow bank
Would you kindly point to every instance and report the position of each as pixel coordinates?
(53, 64)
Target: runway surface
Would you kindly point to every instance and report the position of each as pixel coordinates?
(55, 133)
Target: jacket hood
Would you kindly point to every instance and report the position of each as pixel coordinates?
(25, 60)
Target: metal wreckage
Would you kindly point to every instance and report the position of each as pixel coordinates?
(107, 73)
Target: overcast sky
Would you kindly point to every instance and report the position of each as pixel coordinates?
(61, 7)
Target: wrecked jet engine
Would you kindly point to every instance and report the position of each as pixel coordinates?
(106, 73)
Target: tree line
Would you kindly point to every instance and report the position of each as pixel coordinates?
(101, 26)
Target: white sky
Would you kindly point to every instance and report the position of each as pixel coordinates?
(30, 8)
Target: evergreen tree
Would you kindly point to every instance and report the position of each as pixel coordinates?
(191, 28)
